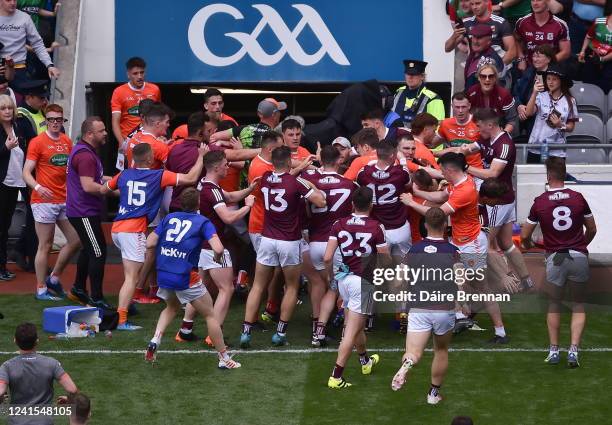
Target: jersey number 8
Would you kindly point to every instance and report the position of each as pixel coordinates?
(562, 218)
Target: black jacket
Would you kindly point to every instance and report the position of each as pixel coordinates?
(24, 133)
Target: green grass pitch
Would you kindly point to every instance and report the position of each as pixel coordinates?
(494, 387)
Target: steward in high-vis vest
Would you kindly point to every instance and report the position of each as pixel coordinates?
(36, 93)
(414, 98)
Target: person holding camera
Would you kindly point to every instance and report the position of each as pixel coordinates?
(556, 113)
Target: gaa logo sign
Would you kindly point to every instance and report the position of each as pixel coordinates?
(249, 44)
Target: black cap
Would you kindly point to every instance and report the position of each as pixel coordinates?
(38, 88)
(414, 67)
(559, 71)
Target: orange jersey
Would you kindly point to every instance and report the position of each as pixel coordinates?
(300, 154)
(125, 101)
(457, 135)
(138, 224)
(180, 132)
(231, 182)
(160, 149)
(414, 218)
(51, 158)
(258, 167)
(423, 154)
(465, 221)
(359, 163)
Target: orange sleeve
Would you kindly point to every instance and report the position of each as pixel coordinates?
(116, 100)
(34, 150)
(180, 132)
(169, 178)
(442, 131)
(157, 94)
(161, 152)
(353, 170)
(254, 171)
(412, 167)
(112, 183)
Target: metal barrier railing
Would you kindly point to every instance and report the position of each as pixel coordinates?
(606, 147)
(56, 93)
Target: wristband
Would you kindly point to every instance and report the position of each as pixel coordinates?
(37, 187)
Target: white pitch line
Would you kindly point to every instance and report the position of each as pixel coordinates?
(310, 351)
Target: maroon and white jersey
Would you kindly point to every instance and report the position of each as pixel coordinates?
(561, 214)
(281, 195)
(500, 149)
(359, 238)
(211, 198)
(338, 190)
(531, 34)
(387, 185)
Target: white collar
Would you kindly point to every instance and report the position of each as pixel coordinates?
(135, 89)
(555, 189)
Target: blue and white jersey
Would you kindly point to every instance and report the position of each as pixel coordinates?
(178, 250)
(141, 192)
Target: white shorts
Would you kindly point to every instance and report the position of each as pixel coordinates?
(439, 322)
(304, 247)
(48, 213)
(185, 296)
(575, 269)
(255, 240)
(356, 297)
(317, 252)
(207, 262)
(501, 214)
(275, 253)
(133, 246)
(473, 254)
(399, 240)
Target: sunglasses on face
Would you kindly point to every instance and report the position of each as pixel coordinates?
(57, 120)
(487, 76)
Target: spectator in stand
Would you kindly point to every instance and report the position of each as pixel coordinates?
(126, 99)
(269, 113)
(45, 173)
(84, 204)
(29, 377)
(17, 29)
(584, 12)
(596, 54)
(415, 98)
(12, 155)
(562, 9)
(512, 10)
(502, 39)
(458, 10)
(7, 74)
(543, 56)
(213, 107)
(482, 53)
(36, 9)
(488, 94)
(556, 112)
(375, 119)
(541, 27)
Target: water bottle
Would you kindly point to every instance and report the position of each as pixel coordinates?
(544, 151)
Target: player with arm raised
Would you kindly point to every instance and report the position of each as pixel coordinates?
(498, 155)
(140, 195)
(460, 201)
(563, 214)
(177, 241)
(338, 190)
(280, 241)
(361, 239)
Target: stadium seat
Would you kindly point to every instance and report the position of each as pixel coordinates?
(609, 130)
(586, 156)
(590, 98)
(589, 129)
(610, 104)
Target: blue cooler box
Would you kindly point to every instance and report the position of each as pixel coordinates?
(58, 319)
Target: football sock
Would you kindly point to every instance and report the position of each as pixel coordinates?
(363, 358)
(573, 348)
(515, 257)
(187, 326)
(246, 327)
(554, 349)
(459, 315)
(314, 322)
(54, 279)
(500, 331)
(157, 338)
(434, 390)
(337, 372)
(123, 315)
(41, 290)
(320, 330)
(281, 329)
